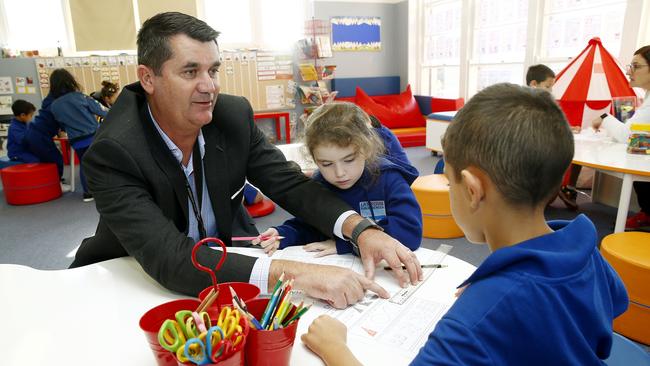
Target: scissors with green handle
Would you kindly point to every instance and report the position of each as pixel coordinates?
(174, 333)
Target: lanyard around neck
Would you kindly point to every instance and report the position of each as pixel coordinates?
(197, 164)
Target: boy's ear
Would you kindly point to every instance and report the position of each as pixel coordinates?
(471, 178)
(145, 75)
(533, 84)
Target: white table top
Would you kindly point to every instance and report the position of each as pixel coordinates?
(599, 153)
(90, 315)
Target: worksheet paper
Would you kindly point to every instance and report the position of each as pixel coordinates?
(375, 322)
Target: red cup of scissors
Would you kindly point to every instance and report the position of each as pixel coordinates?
(222, 344)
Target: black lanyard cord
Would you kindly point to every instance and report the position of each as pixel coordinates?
(197, 211)
(197, 164)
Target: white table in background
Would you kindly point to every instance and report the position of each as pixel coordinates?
(612, 158)
(90, 315)
(437, 124)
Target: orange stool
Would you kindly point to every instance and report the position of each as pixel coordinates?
(432, 193)
(629, 254)
(25, 184)
(262, 208)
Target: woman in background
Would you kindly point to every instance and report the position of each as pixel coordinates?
(78, 115)
(108, 94)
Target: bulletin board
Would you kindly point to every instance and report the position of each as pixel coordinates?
(89, 71)
(264, 78)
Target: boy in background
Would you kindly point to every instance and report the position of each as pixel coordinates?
(540, 76)
(16, 146)
(545, 296)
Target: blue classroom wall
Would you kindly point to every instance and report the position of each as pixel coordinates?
(391, 60)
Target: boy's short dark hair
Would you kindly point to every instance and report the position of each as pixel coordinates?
(22, 107)
(518, 136)
(154, 35)
(538, 73)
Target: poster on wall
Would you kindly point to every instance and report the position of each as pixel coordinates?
(6, 87)
(356, 33)
(5, 105)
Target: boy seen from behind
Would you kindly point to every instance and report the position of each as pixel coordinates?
(545, 296)
(16, 146)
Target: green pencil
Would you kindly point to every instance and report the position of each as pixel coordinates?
(296, 315)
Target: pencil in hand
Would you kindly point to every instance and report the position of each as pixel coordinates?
(388, 268)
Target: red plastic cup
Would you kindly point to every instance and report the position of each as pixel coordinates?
(245, 291)
(151, 322)
(268, 347)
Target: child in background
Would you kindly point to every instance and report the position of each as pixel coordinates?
(348, 153)
(40, 134)
(107, 95)
(77, 114)
(540, 76)
(16, 146)
(545, 296)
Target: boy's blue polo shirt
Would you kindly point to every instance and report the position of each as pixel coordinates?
(549, 300)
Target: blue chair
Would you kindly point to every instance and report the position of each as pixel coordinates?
(440, 166)
(627, 353)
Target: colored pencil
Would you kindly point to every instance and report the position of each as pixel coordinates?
(274, 303)
(236, 299)
(271, 305)
(297, 315)
(249, 238)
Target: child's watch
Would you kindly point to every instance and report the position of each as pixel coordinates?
(361, 227)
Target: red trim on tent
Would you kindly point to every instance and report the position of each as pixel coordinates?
(618, 87)
(579, 87)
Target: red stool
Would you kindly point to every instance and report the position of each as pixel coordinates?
(262, 208)
(25, 184)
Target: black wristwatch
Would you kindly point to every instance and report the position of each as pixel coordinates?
(604, 115)
(361, 226)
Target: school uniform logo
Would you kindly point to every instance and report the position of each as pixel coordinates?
(375, 210)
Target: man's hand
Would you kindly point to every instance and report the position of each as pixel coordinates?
(327, 338)
(375, 245)
(596, 123)
(338, 286)
(270, 245)
(322, 248)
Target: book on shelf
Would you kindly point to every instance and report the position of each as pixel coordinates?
(323, 46)
(308, 72)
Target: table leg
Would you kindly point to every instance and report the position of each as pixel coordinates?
(71, 168)
(287, 127)
(278, 130)
(623, 203)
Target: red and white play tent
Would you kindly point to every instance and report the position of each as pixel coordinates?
(585, 88)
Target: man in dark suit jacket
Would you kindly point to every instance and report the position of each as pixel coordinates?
(169, 164)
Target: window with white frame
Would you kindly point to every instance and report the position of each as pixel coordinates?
(498, 40)
(441, 52)
(569, 25)
(498, 43)
(274, 24)
(34, 24)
